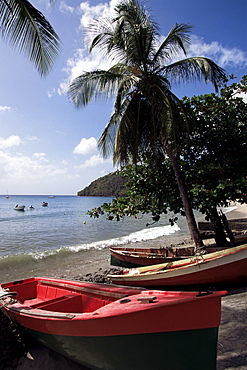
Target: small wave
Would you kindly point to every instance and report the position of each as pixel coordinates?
(138, 236)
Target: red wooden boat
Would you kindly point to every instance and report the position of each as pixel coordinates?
(137, 257)
(111, 327)
(222, 267)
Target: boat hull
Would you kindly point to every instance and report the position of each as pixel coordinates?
(123, 352)
(136, 257)
(112, 327)
(19, 208)
(224, 267)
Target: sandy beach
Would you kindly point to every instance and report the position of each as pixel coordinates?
(232, 340)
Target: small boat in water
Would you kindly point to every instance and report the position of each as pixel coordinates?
(113, 327)
(44, 204)
(31, 207)
(19, 208)
(223, 267)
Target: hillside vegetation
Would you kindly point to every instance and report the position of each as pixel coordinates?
(111, 185)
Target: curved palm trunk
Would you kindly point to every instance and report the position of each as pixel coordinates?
(194, 232)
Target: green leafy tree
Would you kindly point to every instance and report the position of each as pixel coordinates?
(147, 116)
(216, 160)
(151, 189)
(26, 29)
(214, 164)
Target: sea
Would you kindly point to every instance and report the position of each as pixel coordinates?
(61, 240)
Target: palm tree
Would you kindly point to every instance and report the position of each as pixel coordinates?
(147, 115)
(25, 28)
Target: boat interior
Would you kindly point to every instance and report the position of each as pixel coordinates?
(59, 297)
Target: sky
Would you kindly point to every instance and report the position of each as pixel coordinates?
(47, 146)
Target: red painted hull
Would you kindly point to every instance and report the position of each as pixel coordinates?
(77, 319)
(223, 267)
(58, 307)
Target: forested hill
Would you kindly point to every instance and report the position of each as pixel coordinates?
(111, 185)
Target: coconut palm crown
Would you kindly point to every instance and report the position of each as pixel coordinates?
(147, 116)
(26, 29)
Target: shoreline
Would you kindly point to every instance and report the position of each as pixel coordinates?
(232, 339)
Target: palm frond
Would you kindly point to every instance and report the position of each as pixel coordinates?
(176, 41)
(194, 68)
(26, 29)
(94, 85)
(103, 30)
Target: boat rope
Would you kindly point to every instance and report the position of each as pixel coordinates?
(7, 298)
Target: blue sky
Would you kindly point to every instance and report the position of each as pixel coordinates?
(47, 146)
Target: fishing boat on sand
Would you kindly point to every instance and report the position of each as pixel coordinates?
(222, 267)
(137, 257)
(111, 327)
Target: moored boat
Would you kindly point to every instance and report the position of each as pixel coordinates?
(19, 208)
(111, 327)
(222, 267)
(44, 204)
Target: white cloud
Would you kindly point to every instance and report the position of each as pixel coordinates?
(66, 9)
(18, 167)
(83, 61)
(4, 108)
(11, 141)
(94, 161)
(95, 12)
(51, 93)
(31, 138)
(86, 146)
(40, 157)
(221, 55)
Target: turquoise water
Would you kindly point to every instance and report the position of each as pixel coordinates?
(62, 240)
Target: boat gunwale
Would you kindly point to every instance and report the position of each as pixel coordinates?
(173, 298)
(195, 259)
